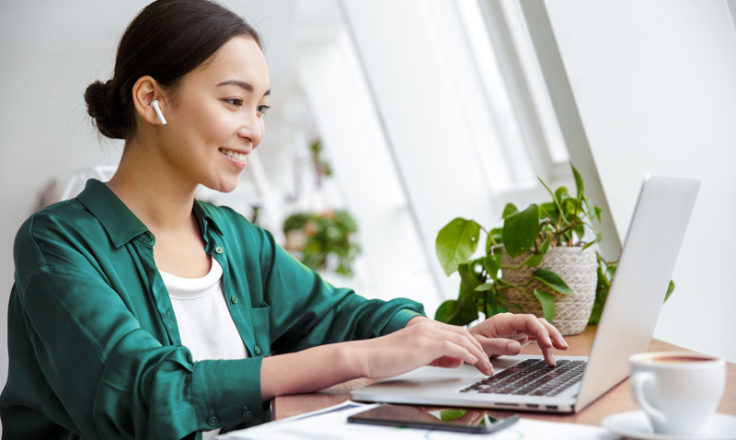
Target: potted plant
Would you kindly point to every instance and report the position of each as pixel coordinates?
(323, 241)
(541, 261)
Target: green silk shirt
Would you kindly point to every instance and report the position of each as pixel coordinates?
(93, 341)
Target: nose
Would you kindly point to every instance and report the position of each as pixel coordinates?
(252, 129)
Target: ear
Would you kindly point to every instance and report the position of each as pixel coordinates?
(144, 91)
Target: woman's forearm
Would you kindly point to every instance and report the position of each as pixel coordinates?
(421, 342)
(309, 370)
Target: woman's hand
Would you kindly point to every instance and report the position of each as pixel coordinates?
(506, 333)
(422, 342)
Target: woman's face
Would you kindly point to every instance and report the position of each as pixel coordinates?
(215, 117)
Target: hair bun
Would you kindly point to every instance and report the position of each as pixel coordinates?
(103, 107)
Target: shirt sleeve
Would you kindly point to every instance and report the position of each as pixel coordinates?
(307, 311)
(106, 376)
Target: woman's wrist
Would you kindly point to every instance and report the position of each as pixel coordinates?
(415, 320)
(353, 358)
(312, 369)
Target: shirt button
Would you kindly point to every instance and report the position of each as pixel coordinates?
(234, 299)
(246, 413)
(212, 421)
(219, 249)
(257, 350)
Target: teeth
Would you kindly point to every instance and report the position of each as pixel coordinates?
(240, 157)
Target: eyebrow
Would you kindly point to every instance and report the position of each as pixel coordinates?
(246, 86)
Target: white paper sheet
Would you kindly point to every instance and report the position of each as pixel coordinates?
(331, 424)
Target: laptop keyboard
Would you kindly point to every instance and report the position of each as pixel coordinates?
(532, 377)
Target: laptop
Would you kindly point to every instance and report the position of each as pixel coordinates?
(634, 301)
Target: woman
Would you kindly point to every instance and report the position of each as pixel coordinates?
(139, 312)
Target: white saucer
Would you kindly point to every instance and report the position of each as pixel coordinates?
(635, 424)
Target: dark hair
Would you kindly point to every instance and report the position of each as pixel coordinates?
(167, 40)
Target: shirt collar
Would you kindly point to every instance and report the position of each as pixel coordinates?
(119, 221)
(204, 218)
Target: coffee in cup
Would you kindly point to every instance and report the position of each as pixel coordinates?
(678, 391)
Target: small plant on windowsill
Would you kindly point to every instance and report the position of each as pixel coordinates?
(323, 241)
(539, 261)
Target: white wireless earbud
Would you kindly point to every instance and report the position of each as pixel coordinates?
(157, 109)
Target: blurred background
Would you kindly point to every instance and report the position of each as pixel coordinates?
(390, 118)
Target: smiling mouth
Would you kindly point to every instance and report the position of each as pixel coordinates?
(240, 157)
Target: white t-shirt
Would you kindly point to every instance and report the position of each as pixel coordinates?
(205, 325)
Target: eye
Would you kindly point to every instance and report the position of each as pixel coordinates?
(262, 109)
(237, 102)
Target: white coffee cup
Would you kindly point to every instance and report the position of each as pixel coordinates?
(678, 391)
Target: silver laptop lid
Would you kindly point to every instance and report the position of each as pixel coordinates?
(652, 243)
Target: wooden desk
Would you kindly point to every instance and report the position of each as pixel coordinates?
(614, 401)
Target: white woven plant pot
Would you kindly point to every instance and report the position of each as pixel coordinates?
(577, 267)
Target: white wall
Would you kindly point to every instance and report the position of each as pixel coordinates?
(655, 84)
(47, 62)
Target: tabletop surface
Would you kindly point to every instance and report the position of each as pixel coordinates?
(614, 401)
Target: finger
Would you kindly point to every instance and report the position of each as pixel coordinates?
(539, 329)
(549, 357)
(474, 347)
(521, 338)
(452, 349)
(442, 331)
(463, 332)
(499, 346)
(533, 327)
(557, 339)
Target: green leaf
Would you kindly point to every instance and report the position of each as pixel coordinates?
(520, 230)
(469, 278)
(573, 207)
(579, 231)
(492, 263)
(552, 280)
(456, 242)
(605, 273)
(670, 289)
(493, 306)
(509, 209)
(550, 211)
(457, 312)
(484, 287)
(597, 213)
(578, 180)
(536, 259)
(547, 300)
(446, 309)
(561, 192)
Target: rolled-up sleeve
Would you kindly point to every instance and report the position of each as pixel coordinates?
(308, 311)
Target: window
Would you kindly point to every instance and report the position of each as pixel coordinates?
(433, 111)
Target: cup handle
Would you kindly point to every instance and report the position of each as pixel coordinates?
(638, 382)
